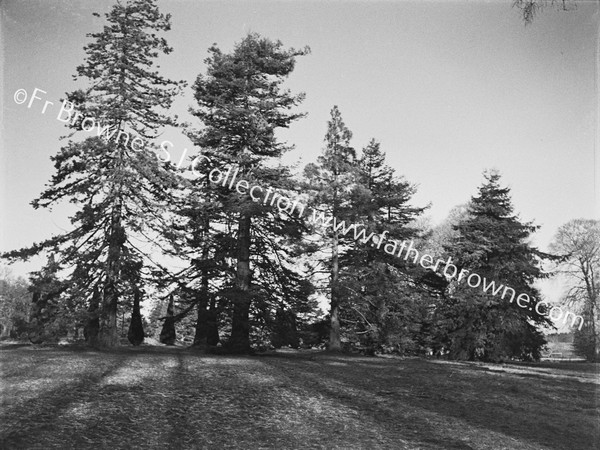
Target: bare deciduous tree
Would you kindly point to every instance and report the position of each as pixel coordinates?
(530, 8)
(579, 241)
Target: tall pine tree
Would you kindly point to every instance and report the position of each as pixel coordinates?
(241, 104)
(120, 185)
(332, 180)
(384, 305)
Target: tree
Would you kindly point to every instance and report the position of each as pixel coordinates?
(15, 304)
(493, 244)
(135, 334)
(202, 234)
(441, 236)
(383, 293)
(530, 8)
(121, 187)
(578, 241)
(47, 321)
(241, 104)
(168, 334)
(91, 324)
(285, 330)
(332, 180)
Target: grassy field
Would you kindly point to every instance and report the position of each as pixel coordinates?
(158, 397)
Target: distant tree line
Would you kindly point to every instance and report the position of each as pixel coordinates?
(253, 273)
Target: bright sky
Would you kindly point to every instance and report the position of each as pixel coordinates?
(448, 88)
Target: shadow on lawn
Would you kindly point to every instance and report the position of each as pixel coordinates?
(392, 419)
(558, 414)
(23, 423)
(176, 397)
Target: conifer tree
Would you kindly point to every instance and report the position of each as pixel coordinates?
(131, 274)
(384, 292)
(108, 166)
(202, 234)
(241, 104)
(44, 319)
(493, 242)
(168, 333)
(332, 180)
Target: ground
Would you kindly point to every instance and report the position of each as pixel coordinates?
(159, 397)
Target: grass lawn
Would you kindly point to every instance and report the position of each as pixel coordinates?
(159, 397)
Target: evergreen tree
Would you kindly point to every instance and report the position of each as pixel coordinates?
(493, 243)
(241, 104)
(114, 175)
(91, 324)
(135, 334)
(45, 321)
(202, 234)
(168, 334)
(332, 180)
(383, 292)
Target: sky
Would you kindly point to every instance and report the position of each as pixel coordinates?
(449, 89)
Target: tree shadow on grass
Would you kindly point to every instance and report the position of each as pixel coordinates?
(243, 403)
(13, 345)
(395, 421)
(557, 414)
(29, 423)
(176, 409)
(149, 404)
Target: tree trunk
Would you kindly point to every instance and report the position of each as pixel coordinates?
(285, 330)
(92, 325)
(108, 333)
(240, 323)
(591, 303)
(212, 325)
(335, 342)
(595, 354)
(167, 334)
(6, 328)
(200, 338)
(36, 329)
(135, 334)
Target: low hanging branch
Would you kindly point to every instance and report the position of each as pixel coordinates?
(182, 314)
